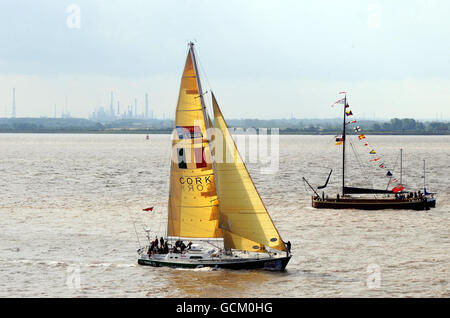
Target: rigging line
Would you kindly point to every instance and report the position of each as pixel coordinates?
(159, 225)
(360, 161)
(356, 155)
(134, 225)
(395, 163)
(202, 70)
(369, 168)
(208, 242)
(375, 175)
(361, 164)
(392, 171)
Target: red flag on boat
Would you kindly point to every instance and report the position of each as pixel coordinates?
(148, 209)
(397, 189)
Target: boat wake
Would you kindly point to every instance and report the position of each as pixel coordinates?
(200, 269)
(63, 264)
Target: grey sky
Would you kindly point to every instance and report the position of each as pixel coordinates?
(262, 58)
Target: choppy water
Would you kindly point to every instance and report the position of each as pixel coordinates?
(67, 205)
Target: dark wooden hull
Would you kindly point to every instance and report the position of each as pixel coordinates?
(370, 204)
(431, 202)
(277, 264)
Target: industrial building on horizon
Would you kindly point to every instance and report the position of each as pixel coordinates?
(131, 112)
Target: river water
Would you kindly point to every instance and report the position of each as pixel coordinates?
(68, 205)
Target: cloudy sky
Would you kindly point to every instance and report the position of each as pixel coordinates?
(263, 59)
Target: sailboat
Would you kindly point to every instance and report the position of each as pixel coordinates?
(395, 198)
(213, 200)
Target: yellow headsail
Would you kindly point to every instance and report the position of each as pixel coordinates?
(193, 210)
(244, 220)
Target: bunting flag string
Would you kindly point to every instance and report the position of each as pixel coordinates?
(362, 137)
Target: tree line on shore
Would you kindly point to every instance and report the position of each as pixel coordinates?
(286, 126)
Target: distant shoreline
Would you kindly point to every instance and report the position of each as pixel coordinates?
(169, 131)
(395, 126)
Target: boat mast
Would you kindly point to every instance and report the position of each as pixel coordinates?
(401, 165)
(205, 111)
(200, 91)
(424, 176)
(343, 147)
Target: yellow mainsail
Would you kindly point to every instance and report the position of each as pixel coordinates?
(193, 205)
(244, 220)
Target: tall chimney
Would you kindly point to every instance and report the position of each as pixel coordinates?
(135, 108)
(111, 108)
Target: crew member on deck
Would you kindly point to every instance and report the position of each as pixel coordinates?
(288, 247)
